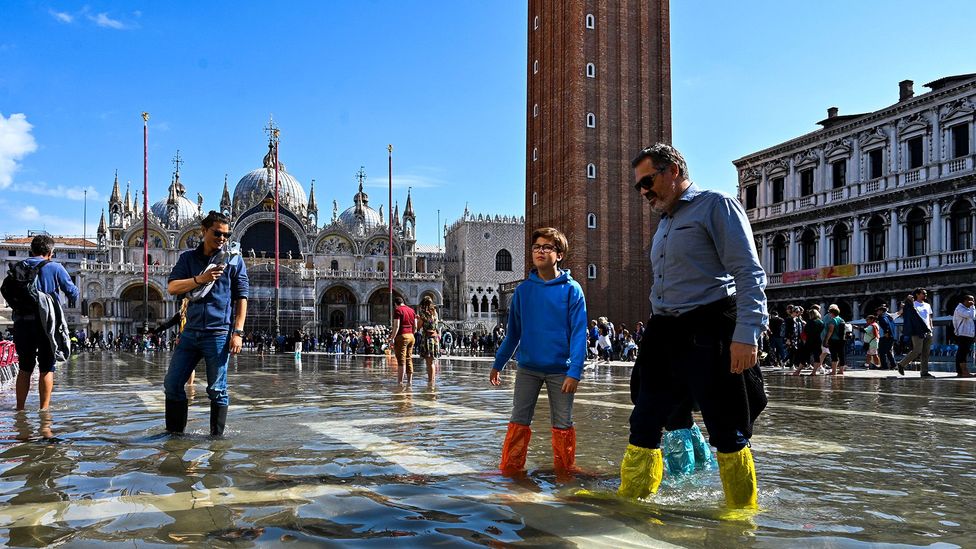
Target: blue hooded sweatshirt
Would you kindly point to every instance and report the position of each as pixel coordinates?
(547, 322)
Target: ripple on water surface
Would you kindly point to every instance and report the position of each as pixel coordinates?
(335, 453)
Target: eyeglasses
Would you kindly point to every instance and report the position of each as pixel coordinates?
(220, 234)
(647, 181)
(545, 248)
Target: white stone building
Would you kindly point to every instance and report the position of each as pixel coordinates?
(482, 252)
(872, 205)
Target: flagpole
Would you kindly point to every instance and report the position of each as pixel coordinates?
(145, 221)
(277, 242)
(389, 150)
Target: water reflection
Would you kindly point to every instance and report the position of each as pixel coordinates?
(331, 450)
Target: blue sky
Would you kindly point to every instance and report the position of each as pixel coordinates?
(444, 82)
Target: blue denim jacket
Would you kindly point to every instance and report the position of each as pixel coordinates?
(213, 312)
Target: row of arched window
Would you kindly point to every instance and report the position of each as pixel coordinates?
(960, 233)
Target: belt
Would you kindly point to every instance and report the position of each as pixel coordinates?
(724, 306)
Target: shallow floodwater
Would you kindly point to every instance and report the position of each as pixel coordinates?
(331, 452)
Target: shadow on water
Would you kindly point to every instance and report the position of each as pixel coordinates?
(330, 451)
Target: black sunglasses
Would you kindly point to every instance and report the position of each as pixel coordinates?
(219, 234)
(647, 181)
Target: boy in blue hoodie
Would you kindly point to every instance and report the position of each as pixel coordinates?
(547, 323)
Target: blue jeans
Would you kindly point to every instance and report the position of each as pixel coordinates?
(528, 384)
(214, 348)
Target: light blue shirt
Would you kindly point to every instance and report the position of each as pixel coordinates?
(703, 252)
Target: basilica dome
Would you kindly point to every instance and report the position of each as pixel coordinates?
(254, 186)
(184, 211)
(361, 210)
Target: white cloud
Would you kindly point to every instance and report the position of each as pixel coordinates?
(62, 16)
(60, 191)
(16, 142)
(103, 20)
(19, 218)
(29, 213)
(402, 181)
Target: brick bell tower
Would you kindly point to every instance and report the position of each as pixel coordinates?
(599, 89)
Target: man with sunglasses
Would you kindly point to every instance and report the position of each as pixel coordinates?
(210, 333)
(700, 345)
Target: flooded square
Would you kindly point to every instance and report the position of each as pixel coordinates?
(330, 451)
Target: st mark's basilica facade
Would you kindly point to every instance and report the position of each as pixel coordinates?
(332, 274)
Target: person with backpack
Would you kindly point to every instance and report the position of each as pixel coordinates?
(34, 277)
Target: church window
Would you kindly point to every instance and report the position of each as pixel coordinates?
(752, 192)
(12, 253)
(590, 70)
(779, 189)
(591, 271)
(806, 182)
(484, 304)
(915, 152)
(72, 255)
(591, 221)
(380, 266)
(590, 21)
(503, 260)
(838, 172)
(960, 140)
(591, 171)
(334, 265)
(590, 120)
(876, 163)
(474, 304)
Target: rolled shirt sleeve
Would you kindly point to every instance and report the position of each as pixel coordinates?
(737, 249)
(241, 284)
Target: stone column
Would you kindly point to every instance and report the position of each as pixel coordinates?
(791, 252)
(823, 249)
(855, 309)
(936, 230)
(894, 244)
(856, 243)
(936, 303)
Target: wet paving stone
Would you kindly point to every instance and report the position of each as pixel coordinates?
(330, 451)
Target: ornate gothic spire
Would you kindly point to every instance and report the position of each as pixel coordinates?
(408, 210)
(312, 206)
(101, 224)
(396, 215)
(225, 203)
(128, 198)
(116, 195)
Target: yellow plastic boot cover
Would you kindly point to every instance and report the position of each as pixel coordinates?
(738, 474)
(640, 472)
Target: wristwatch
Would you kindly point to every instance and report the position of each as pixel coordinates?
(235, 331)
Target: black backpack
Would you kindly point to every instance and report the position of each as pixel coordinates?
(19, 287)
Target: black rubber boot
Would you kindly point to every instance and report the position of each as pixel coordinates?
(176, 411)
(218, 418)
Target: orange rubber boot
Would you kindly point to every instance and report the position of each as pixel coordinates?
(515, 449)
(564, 451)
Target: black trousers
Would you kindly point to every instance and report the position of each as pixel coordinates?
(685, 360)
(962, 353)
(884, 352)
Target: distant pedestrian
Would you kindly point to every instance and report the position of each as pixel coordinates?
(402, 339)
(963, 323)
(917, 324)
(36, 323)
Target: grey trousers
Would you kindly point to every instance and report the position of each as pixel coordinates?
(528, 384)
(920, 348)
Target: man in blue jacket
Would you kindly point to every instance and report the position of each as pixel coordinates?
(209, 332)
(30, 339)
